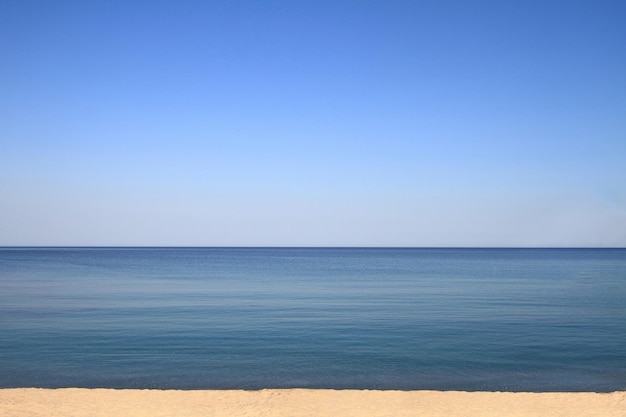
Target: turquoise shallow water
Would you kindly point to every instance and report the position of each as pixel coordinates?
(190, 318)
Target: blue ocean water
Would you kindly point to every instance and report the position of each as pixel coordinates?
(249, 318)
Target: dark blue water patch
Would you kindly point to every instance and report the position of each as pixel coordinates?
(465, 319)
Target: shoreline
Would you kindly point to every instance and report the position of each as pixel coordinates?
(105, 402)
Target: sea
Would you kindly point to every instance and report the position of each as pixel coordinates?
(337, 318)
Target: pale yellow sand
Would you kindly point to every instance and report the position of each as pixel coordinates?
(31, 402)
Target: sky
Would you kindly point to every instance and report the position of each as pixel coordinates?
(313, 123)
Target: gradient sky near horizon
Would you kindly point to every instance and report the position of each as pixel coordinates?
(313, 123)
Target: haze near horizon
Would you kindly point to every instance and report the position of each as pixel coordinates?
(313, 123)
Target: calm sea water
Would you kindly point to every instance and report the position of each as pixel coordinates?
(188, 318)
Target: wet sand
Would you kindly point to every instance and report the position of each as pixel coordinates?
(70, 402)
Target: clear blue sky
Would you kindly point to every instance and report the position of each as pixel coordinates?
(313, 123)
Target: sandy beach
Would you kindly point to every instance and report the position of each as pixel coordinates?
(33, 402)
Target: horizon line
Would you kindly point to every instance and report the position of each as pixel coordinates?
(291, 247)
